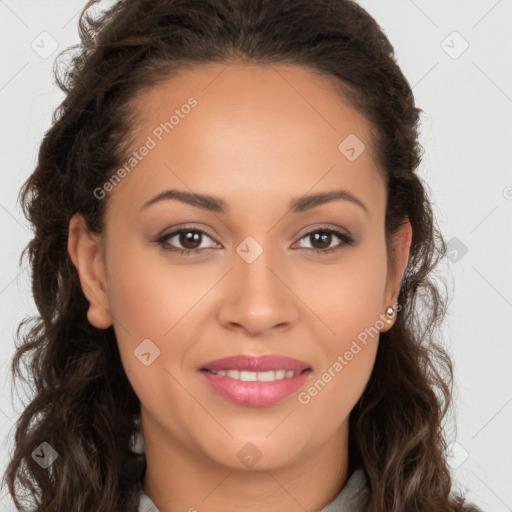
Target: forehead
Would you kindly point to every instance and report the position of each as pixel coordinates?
(253, 94)
(275, 129)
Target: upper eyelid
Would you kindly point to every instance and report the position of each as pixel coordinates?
(186, 229)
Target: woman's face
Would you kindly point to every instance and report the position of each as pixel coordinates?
(263, 144)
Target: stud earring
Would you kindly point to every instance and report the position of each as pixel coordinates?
(389, 312)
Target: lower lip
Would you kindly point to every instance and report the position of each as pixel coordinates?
(255, 393)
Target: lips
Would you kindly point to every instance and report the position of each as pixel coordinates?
(256, 381)
(265, 363)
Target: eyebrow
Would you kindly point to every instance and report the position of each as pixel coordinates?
(213, 204)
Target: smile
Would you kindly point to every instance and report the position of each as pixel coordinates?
(247, 376)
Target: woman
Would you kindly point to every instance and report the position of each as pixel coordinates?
(232, 264)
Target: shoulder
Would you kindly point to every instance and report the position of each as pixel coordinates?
(145, 504)
(353, 495)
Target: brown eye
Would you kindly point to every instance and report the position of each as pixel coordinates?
(190, 239)
(321, 240)
(185, 240)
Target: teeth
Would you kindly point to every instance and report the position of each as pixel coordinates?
(246, 376)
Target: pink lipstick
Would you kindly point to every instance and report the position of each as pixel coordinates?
(256, 381)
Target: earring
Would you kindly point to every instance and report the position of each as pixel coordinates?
(389, 312)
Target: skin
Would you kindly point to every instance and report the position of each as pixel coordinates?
(258, 138)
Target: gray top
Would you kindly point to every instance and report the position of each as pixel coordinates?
(349, 498)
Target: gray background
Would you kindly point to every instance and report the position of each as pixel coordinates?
(466, 96)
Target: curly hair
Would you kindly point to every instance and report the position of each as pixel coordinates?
(83, 403)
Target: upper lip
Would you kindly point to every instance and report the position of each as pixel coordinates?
(257, 364)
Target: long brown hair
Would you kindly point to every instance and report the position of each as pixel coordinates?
(84, 406)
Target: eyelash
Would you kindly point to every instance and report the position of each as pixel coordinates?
(347, 240)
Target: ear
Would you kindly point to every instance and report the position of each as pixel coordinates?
(397, 264)
(85, 250)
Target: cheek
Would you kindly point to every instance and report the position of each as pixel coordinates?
(337, 387)
(148, 295)
(348, 299)
(349, 304)
(154, 300)
(348, 296)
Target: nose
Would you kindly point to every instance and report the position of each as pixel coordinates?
(257, 297)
